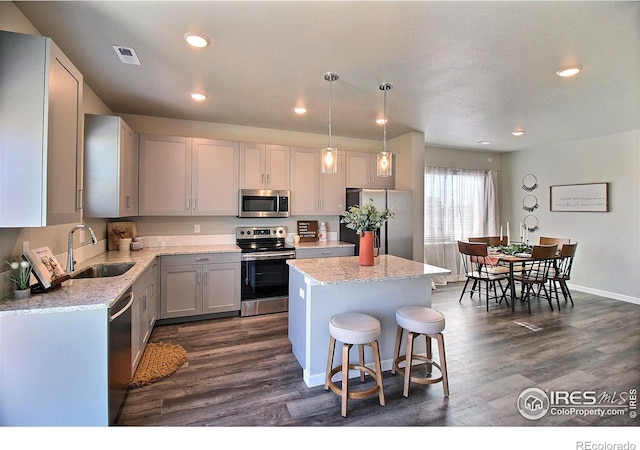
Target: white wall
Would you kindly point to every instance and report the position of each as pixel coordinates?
(608, 254)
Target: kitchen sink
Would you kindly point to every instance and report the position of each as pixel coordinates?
(104, 270)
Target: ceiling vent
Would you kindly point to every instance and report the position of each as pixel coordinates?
(127, 55)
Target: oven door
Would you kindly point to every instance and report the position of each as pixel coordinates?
(264, 276)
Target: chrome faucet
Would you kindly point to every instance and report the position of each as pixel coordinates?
(70, 262)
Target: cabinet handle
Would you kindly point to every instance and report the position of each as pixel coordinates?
(262, 178)
(152, 287)
(128, 202)
(202, 259)
(144, 302)
(268, 181)
(198, 278)
(321, 205)
(188, 203)
(205, 278)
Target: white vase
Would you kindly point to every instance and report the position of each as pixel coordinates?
(21, 294)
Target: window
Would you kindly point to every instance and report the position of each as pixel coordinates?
(459, 203)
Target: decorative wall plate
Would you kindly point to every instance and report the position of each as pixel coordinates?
(529, 182)
(531, 223)
(530, 203)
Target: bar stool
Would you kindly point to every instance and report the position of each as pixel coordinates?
(420, 321)
(354, 329)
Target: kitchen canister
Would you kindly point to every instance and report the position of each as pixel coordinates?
(124, 245)
(322, 233)
(137, 243)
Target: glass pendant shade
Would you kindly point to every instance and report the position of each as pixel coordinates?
(385, 158)
(385, 164)
(330, 153)
(329, 160)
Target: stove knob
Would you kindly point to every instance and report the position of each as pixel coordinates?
(279, 231)
(248, 231)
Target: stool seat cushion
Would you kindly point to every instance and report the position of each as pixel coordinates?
(420, 319)
(354, 328)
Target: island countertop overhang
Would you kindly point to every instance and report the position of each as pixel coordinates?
(346, 269)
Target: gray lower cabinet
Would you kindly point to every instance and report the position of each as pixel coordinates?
(193, 285)
(144, 312)
(324, 252)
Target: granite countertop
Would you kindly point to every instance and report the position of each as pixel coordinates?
(100, 293)
(347, 269)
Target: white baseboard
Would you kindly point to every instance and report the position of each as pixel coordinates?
(613, 295)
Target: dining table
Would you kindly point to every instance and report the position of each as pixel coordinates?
(511, 261)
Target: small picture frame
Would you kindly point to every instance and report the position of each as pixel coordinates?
(588, 197)
(46, 267)
(308, 230)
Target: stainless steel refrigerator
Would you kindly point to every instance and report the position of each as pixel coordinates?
(396, 237)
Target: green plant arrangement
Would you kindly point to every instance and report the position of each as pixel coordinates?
(366, 217)
(514, 248)
(23, 274)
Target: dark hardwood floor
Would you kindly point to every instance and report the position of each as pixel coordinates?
(241, 372)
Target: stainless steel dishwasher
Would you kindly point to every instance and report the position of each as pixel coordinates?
(119, 352)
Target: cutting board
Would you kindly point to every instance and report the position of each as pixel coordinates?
(117, 230)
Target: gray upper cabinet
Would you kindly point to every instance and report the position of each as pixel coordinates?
(362, 172)
(264, 166)
(41, 128)
(182, 176)
(110, 167)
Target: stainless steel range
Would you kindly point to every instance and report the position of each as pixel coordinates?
(265, 273)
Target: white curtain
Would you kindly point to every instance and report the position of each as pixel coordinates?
(459, 203)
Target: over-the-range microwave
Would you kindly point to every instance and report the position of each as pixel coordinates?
(263, 203)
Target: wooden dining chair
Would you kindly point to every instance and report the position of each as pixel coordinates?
(491, 241)
(562, 272)
(535, 272)
(551, 240)
(480, 268)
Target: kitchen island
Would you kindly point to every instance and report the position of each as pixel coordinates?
(321, 288)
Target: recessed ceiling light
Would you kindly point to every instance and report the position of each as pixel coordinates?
(380, 121)
(517, 132)
(569, 71)
(196, 39)
(197, 96)
(483, 142)
(300, 109)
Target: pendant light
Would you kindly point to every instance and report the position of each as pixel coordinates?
(385, 158)
(329, 153)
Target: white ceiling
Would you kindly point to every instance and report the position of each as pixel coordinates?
(462, 72)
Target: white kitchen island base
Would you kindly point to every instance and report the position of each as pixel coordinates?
(319, 289)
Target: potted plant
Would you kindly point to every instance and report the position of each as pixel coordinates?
(365, 220)
(21, 278)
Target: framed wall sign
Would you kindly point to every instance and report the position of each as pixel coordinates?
(591, 197)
